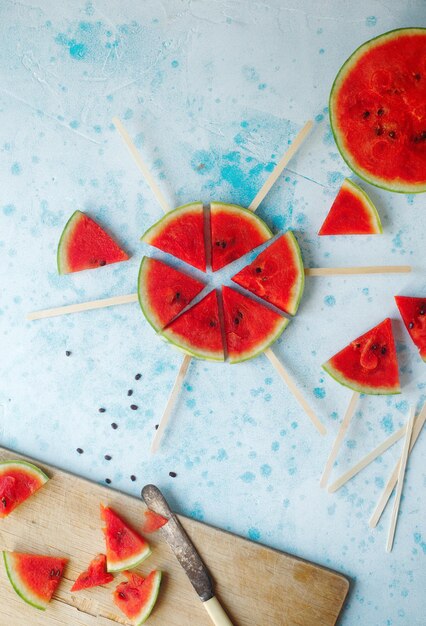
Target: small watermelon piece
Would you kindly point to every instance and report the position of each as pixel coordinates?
(153, 522)
(369, 363)
(250, 327)
(181, 233)
(95, 575)
(84, 245)
(234, 232)
(197, 331)
(277, 274)
(413, 313)
(34, 577)
(125, 549)
(352, 213)
(137, 597)
(18, 481)
(164, 292)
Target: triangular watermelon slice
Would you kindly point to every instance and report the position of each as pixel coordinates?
(250, 327)
(34, 577)
(95, 575)
(352, 213)
(125, 549)
(164, 292)
(181, 233)
(153, 521)
(413, 313)
(136, 597)
(197, 331)
(18, 481)
(369, 363)
(84, 245)
(277, 274)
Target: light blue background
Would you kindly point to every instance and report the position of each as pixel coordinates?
(225, 86)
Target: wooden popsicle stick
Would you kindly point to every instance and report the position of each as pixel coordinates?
(295, 391)
(82, 306)
(273, 177)
(369, 269)
(400, 484)
(340, 436)
(170, 403)
(390, 485)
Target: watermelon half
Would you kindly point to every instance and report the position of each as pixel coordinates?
(369, 363)
(250, 327)
(378, 110)
(413, 313)
(164, 292)
(95, 575)
(277, 274)
(125, 549)
(352, 213)
(85, 245)
(181, 233)
(18, 481)
(137, 597)
(34, 577)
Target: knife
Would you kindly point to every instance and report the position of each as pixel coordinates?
(187, 555)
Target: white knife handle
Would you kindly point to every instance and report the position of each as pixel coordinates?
(216, 612)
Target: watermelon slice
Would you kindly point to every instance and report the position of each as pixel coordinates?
(124, 547)
(153, 522)
(352, 213)
(250, 327)
(164, 292)
(18, 481)
(96, 574)
(197, 331)
(277, 274)
(181, 233)
(34, 577)
(413, 313)
(234, 232)
(378, 110)
(84, 245)
(369, 363)
(136, 597)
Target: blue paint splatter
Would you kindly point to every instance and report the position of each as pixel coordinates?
(319, 117)
(330, 300)
(371, 21)
(351, 443)
(221, 455)
(294, 425)
(202, 162)
(319, 392)
(266, 470)
(247, 477)
(16, 169)
(334, 178)
(387, 423)
(275, 446)
(379, 482)
(254, 534)
(397, 240)
(174, 63)
(9, 209)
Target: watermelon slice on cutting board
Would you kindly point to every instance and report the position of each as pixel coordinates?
(34, 577)
(153, 522)
(277, 274)
(137, 596)
(95, 575)
(413, 313)
(378, 110)
(85, 245)
(125, 549)
(352, 213)
(369, 363)
(18, 481)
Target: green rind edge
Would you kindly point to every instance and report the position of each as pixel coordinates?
(343, 380)
(148, 234)
(10, 575)
(60, 255)
(264, 346)
(143, 616)
(251, 214)
(130, 563)
(36, 470)
(350, 61)
(298, 298)
(368, 204)
(186, 350)
(145, 309)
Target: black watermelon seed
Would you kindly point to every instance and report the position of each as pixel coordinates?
(258, 270)
(357, 345)
(374, 346)
(392, 134)
(102, 410)
(417, 76)
(102, 263)
(108, 481)
(383, 350)
(380, 112)
(156, 426)
(138, 376)
(177, 295)
(366, 114)
(129, 393)
(3, 501)
(237, 321)
(114, 426)
(68, 352)
(80, 450)
(133, 478)
(134, 407)
(422, 311)
(411, 325)
(107, 457)
(122, 595)
(212, 323)
(423, 134)
(172, 474)
(379, 131)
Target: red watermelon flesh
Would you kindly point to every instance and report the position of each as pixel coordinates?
(153, 522)
(369, 363)
(136, 597)
(85, 245)
(413, 313)
(164, 292)
(124, 547)
(352, 213)
(276, 275)
(18, 481)
(96, 574)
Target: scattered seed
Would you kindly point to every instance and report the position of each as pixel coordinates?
(107, 457)
(108, 481)
(138, 376)
(156, 426)
(134, 407)
(67, 352)
(366, 114)
(102, 410)
(380, 112)
(80, 450)
(130, 392)
(133, 478)
(172, 474)
(114, 426)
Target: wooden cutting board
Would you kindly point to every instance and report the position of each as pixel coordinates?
(257, 585)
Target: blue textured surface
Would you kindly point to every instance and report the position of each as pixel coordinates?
(212, 93)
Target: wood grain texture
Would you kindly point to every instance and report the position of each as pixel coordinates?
(257, 586)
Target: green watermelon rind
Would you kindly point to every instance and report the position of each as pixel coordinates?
(255, 219)
(267, 343)
(294, 305)
(21, 589)
(129, 563)
(61, 257)
(147, 609)
(147, 310)
(24, 465)
(347, 382)
(367, 204)
(341, 74)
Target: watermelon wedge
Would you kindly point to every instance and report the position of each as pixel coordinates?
(18, 481)
(413, 313)
(197, 331)
(352, 213)
(181, 233)
(153, 522)
(125, 549)
(234, 232)
(136, 597)
(164, 292)
(277, 274)
(369, 363)
(84, 245)
(378, 110)
(250, 327)
(34, 577)
(96, 574)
